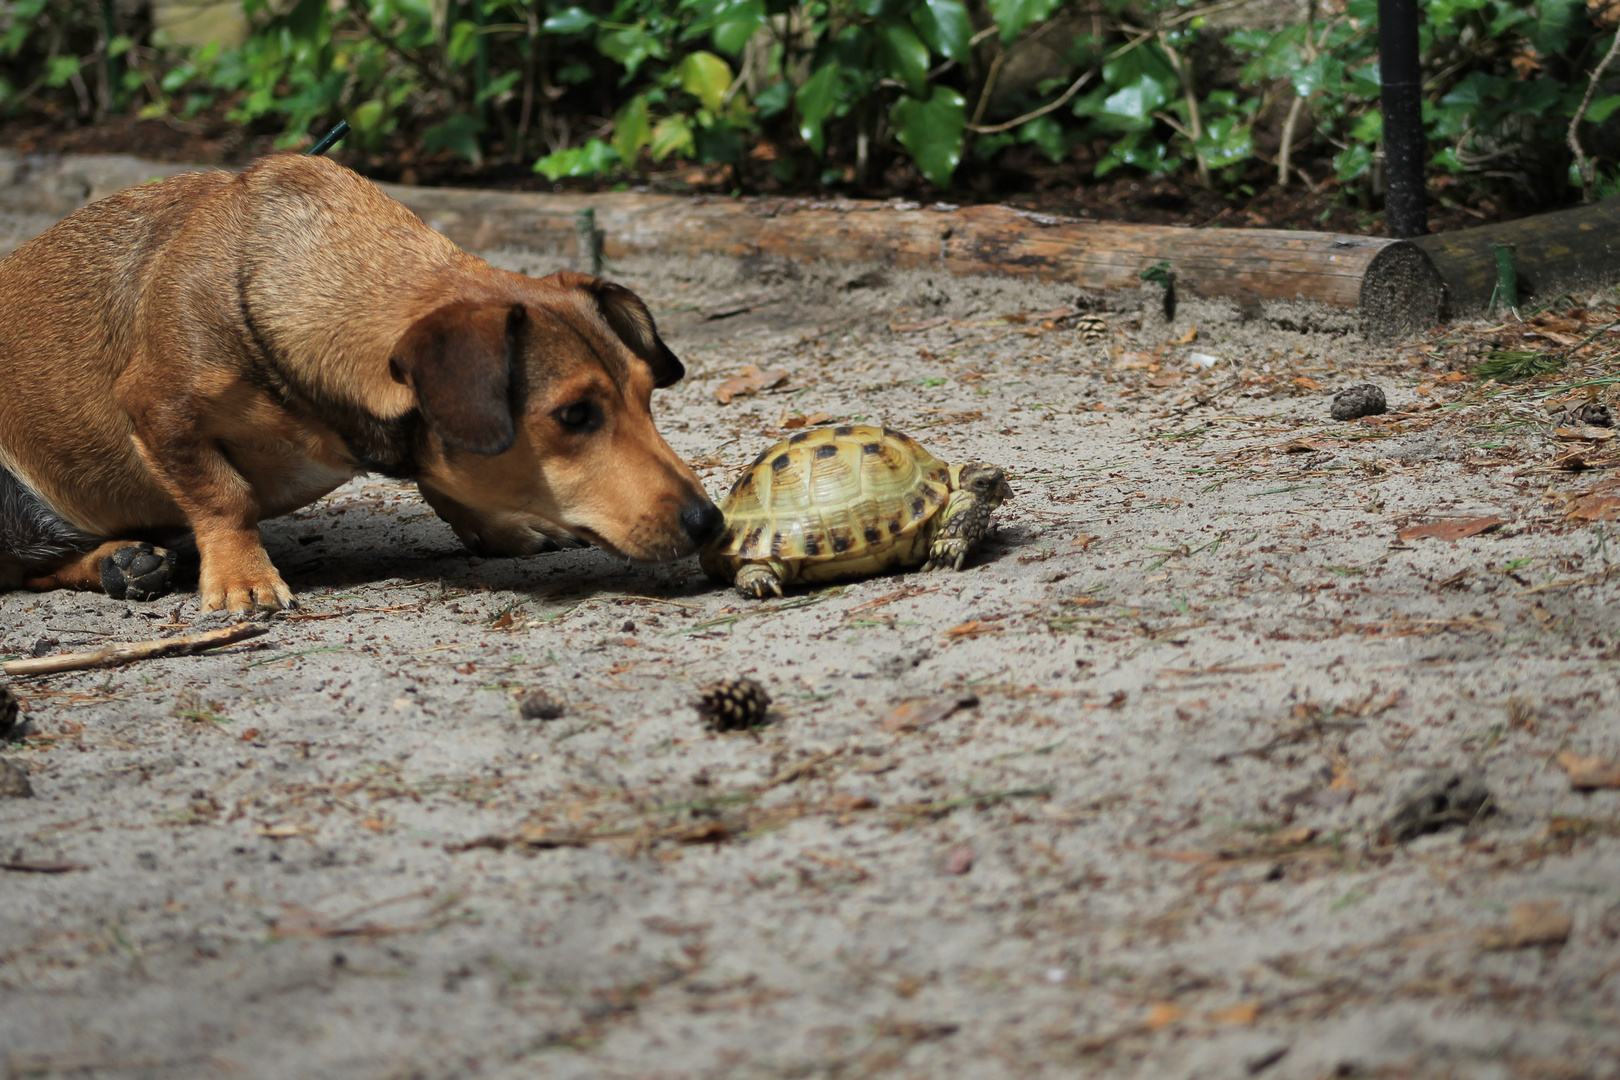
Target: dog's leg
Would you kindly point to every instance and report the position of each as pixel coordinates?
(123, 569)
(237, 574)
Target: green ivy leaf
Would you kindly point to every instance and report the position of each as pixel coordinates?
(735, 22)
(631, 130)
(945, 26)
(574, 20)
(462, 45)
(815, 100)
(593, 159)
(59, 70)
(1352, 162)
(904, 55)
(932, 131)
(458, 132)
(671, 135)
(1046, 133)
(706, 77)
(774, 99)
(366, 117)
(1135, 104)
(630, 46)
(1013, 15)
(1602, 108)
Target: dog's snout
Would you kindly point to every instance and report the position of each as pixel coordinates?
(702, 521)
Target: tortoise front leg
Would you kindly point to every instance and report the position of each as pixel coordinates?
(964, 522)
(760, 579)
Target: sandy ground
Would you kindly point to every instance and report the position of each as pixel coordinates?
(1206, 667)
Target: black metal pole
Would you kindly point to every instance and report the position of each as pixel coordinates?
(340, 129)
(1402, 97)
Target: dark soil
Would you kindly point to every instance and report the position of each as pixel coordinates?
(1031, 182)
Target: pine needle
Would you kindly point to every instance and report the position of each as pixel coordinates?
(1506, 365)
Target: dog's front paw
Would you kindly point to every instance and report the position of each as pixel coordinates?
(243, 596)
(137, 572)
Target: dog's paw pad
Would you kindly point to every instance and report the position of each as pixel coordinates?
(137, 572)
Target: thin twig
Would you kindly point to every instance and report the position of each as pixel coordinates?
(1074, 88)
(130, 652)
(1582, 163)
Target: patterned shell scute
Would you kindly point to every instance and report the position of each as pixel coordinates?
(845, 492)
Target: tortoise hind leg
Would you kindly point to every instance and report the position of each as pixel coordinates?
(759, 580)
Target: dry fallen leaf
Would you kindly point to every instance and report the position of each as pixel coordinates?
(284, 832)
(1162, 1015)
(973, 629)
(749, 380)
(1533, 922)
(1312, 446)
(1451, 528)
(1189, 337)
(1083, 541)
(1243, 1014)
(911, 715)
(1595, 508)
(1589, 773)
(806, 421)
(1586, 434)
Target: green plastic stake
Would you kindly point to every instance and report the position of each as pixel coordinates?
(1506, 292)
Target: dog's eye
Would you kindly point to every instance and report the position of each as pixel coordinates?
(580, 417)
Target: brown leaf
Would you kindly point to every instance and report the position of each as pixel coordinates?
(911, 715)
(1451, 528)
(806, 421)
(749, 380)
(1586, 434)
(1243, 1014)
(1311, 446)
(1589, 773)
(1162, 1015)
(973, 628)
(1595, 508)
(1305, 382)
(1533, 922)
(1188, 338)
(959, 861)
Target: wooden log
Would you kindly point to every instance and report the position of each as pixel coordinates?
(1576, 250)
(1389, 282)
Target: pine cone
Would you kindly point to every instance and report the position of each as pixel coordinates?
(1092, 329)
(733, 704)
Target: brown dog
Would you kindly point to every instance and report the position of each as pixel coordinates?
(205, 352)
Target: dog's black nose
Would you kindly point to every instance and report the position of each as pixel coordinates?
(702, 521)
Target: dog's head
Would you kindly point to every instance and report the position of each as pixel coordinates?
(538, 395)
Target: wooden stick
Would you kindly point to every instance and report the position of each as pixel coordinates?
(130, 652)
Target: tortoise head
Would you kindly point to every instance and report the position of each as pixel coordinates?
(988, 482)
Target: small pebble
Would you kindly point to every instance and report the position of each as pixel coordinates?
(959, 861)
(629, 627)
(14, 781)
(539, 705)
(1357, 401)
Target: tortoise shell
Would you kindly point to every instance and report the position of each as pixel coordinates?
(835, 501)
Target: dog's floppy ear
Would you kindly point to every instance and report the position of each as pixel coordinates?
(631, 320)
(458, 359)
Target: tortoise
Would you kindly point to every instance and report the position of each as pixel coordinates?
(849, 501)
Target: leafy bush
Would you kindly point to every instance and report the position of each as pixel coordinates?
(865, 91)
